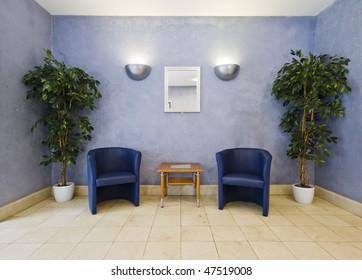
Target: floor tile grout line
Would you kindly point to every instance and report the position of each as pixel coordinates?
(331, 227)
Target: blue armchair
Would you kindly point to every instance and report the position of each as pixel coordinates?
(113, 173)
(244, 175)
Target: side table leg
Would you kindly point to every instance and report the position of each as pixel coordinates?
(197, 189)
(162, 189)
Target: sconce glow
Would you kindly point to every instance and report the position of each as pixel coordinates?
(226, 72)
(138, 72)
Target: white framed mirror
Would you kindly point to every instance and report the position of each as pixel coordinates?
(182, 89)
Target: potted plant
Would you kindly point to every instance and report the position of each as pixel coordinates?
(66, 93)
(311, 88)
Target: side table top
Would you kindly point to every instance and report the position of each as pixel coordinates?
(179, 167)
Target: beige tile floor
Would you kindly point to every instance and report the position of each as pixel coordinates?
(181, 231)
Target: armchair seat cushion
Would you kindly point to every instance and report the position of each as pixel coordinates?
(243, 179)
(115, 178)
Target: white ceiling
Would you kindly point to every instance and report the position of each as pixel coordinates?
(185, 7)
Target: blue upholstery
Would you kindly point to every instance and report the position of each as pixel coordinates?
(244, 174)
(113, 173)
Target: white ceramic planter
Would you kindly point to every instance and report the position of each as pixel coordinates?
(303, 195)
(63, 193)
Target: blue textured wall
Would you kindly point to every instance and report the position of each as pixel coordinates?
(238, 113)
(25, 29)
(338, 31)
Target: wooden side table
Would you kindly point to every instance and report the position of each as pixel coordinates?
(180, 167)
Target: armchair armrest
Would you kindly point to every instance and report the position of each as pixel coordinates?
(92, 169)
(133, 160)
(224, 161)
(265, 158)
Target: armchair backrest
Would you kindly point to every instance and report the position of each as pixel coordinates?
(115, 159)
(244, 160)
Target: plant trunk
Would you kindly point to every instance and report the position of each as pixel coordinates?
(304, 132)
(303, 171)
(64, 173)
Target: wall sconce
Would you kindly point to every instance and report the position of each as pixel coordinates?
(227, 72)
(138, 72)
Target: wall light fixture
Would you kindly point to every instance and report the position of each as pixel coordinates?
(138, 72)
(227, 72)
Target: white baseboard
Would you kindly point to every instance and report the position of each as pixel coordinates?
(189, 190)
(179, 190)
(17, 206)
(21, 204)
(346, 203)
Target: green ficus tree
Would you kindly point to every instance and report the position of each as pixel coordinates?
(67, 93)
(311, 88)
